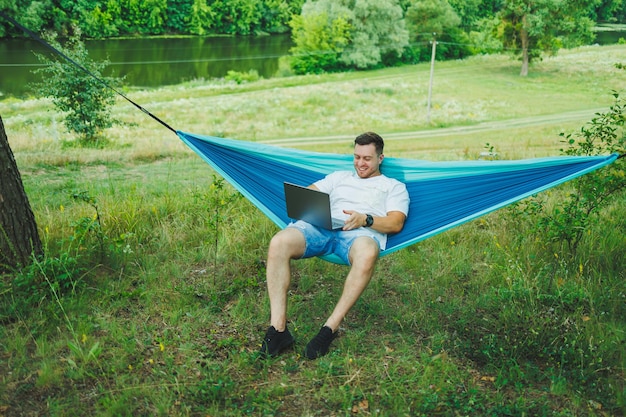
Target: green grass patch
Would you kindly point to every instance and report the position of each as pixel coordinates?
(151, 298)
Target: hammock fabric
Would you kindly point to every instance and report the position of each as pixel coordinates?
(443, 194)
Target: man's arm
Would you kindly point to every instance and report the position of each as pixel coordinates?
(393, 222)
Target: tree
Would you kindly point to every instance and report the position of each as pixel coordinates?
(19, 238)
(425, 17)
(468, 11)
(319, 40)
(84, 97)
(533, 27)
(348, 33)
(378, 29)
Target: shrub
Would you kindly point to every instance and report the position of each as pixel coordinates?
(571, 216)
(82, 94)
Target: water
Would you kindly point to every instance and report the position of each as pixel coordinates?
(151, 62)
(608, 37)
(164, 61)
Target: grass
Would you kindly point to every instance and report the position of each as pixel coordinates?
(159, 309)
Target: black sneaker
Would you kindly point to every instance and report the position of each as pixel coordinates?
(274, 341)
(318, 346)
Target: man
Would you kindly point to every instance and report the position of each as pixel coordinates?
(373, 206)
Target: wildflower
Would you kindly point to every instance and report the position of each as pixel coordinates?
(161, 346)
(84, 338)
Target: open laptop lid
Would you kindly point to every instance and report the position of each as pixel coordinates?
(310, 205)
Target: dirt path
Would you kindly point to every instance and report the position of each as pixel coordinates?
(542, 120)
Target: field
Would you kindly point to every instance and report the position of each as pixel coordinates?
(151, 298)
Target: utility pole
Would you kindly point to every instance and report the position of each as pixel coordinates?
(432, 73)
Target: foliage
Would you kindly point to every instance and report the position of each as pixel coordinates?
(319, 39)
(470, 12)
(377, 28)
(242, 77)
(217, 199)
(85, 98)
(571, 217)
(530, 28)
(331, 35)
(483, 40)
(110, 18)
(431, 20)
(60, 274)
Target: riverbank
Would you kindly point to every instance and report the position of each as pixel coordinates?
(479, 90)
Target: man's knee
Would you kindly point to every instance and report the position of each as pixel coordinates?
(364, 251)
(289, 242)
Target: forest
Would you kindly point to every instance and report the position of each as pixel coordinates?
(120, 18)
(337, 36)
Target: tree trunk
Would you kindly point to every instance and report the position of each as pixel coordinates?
(19, 238)
(525, 41)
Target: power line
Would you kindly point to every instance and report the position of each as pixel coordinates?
(275, 56)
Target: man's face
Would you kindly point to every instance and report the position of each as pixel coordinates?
(366, 161)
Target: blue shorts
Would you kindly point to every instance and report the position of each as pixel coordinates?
(321, 241)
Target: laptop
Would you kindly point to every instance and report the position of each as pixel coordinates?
(310, 205)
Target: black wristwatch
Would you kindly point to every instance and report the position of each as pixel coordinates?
(369, 220)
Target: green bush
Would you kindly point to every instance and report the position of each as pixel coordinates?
(242, 77)
(82, 94)
(567, 220)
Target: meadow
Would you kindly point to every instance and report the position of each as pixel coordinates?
(151, 297)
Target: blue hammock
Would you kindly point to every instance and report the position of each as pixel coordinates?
(443, 194)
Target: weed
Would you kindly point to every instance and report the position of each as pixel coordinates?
(217, 200)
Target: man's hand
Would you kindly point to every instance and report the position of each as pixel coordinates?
(355, 220)
(393, 222)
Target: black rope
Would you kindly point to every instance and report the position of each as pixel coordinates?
(621, 156)
(100, 80)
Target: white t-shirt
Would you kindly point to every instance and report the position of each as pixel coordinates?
(376, 196)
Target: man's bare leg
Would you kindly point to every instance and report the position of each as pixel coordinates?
(285, 245)
(363, 256)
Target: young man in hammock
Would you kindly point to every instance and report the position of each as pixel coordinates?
(373, 206)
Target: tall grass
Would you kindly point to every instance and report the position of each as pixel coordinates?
(156, 306)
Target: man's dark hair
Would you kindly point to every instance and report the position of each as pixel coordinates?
(371, 137)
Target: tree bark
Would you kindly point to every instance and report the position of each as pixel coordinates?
(19, 237)
(525, 42)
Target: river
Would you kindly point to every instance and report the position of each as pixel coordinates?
(151, 62)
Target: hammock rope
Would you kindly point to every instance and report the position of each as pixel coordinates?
(443, 194)
(81, 67)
